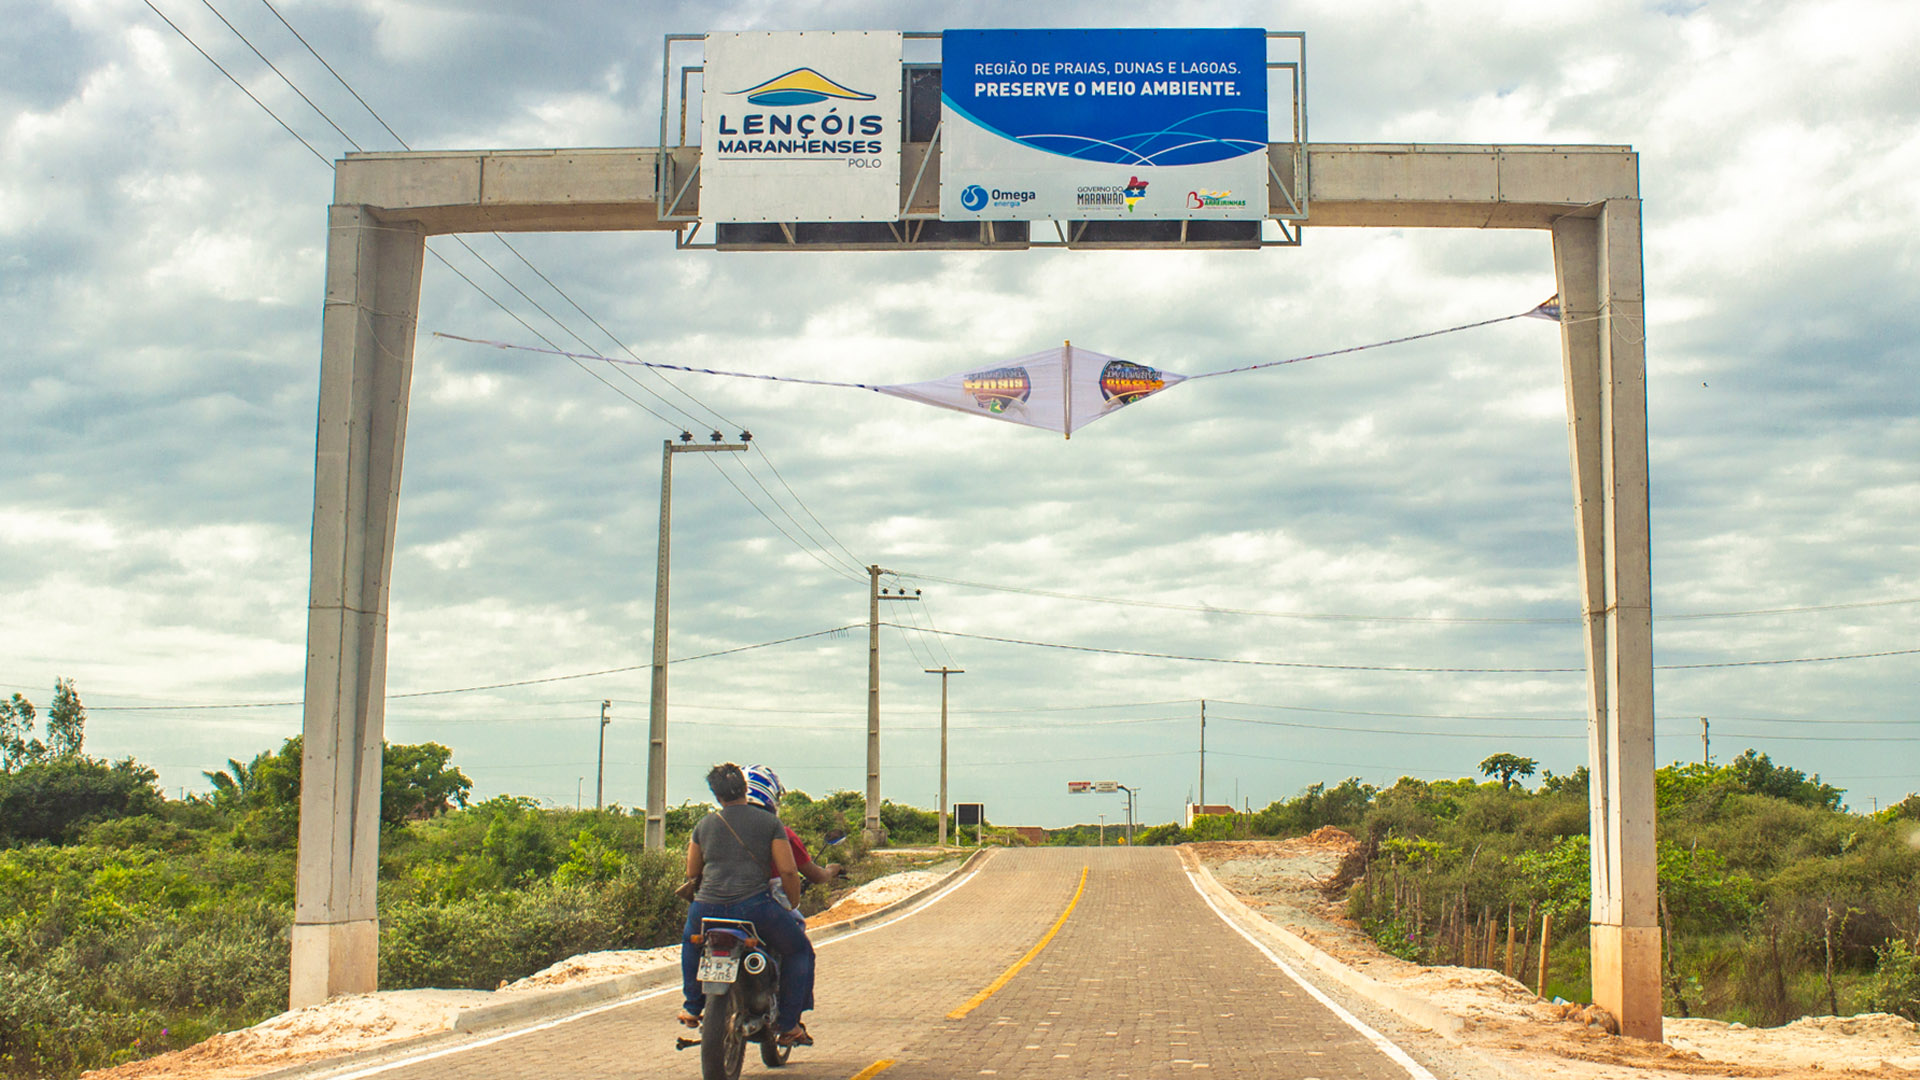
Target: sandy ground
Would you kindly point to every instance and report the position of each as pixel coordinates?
(1507, 1024)
(347, 1025)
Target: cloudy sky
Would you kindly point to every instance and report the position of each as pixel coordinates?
(161, 251)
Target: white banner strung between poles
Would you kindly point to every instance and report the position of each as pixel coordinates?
(1062, 389)
(801, 126)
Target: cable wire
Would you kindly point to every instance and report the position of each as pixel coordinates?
(243, 88)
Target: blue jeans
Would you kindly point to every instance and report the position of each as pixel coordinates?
(778, 928)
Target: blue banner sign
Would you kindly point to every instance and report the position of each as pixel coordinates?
(1103, 124)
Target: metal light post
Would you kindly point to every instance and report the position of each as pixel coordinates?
(1129, 792)
(656, 838)
(875, 833)
(943, 672)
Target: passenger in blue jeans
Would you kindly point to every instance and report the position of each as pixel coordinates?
(733, 852)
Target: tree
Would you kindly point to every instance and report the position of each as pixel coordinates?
(1508, 766)
(53, 799)
(1758, 774)
(416, 782)
(17, 745)
(66, 721)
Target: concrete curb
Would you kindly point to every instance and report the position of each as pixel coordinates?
(1415, 1010)
(534, 1007)
(540, 1005)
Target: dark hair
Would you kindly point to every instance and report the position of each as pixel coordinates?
(727, 782)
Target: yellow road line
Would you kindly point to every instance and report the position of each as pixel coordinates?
(1007, 976)
(873, 1070)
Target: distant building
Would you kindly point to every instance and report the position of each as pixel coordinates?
(1032, 834)
(1194, 810)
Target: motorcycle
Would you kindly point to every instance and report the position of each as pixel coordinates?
(741, 977)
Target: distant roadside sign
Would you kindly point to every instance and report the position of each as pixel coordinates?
(969, 813)
(1106, 787)
(1079, 787)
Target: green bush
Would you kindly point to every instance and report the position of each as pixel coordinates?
(1895, 986)
(56, 799)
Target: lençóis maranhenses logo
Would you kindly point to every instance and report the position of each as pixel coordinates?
(999, 389)
(801, 86)
(1136, 190)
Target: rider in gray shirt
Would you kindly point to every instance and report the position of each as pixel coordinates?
(733, 852)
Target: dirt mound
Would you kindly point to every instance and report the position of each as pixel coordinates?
(1332, 837)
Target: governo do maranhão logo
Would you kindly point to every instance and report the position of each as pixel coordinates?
(801, 86)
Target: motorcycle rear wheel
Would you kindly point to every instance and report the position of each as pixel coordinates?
(772, 1054)
(722, 1045)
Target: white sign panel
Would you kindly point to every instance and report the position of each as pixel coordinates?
(1106, 787)
(1103, 125)
(801, 126)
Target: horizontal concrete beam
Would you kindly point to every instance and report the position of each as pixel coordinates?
(1352, 184)
(457, 191)
(1380, 185)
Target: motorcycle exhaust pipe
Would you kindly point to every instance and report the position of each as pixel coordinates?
(755, 963)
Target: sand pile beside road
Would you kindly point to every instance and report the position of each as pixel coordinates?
(349, 1024)
(875, 895)
(344, 1025)
(1286, 880)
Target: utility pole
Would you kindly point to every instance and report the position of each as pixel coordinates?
(1203, 755)
(656, 838)
(943, 672)
(875, 833)
(600, 766)
(1706, 744)
(1129, 792)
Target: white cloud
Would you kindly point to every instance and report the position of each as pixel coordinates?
(160, 306)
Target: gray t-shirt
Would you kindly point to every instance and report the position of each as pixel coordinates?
(730, 872)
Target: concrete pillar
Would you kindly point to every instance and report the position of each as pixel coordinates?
(366, 368)
(1598, 264)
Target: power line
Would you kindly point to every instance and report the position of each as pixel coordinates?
(550, 283)
(485, 686)
(336, 74)
(283, 76)
(809, 551)
(1789, 660)
(1255, 663)
(1558, 620)
(1410, 668)
(1395, 731)
(243, 89)
(854, 568)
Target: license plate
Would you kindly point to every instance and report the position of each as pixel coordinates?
(721, 969)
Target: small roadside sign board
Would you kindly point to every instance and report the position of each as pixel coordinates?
(969, 813)
(1106, 787)
(1079, 787)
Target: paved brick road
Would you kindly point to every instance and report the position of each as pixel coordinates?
(1143, 980)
